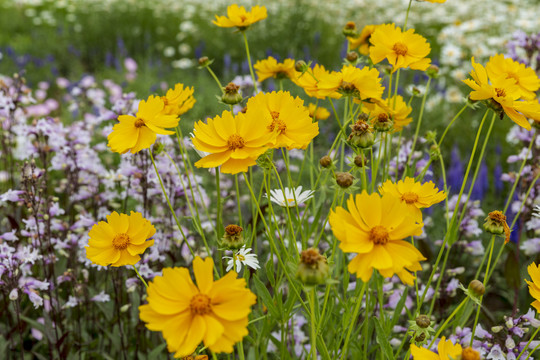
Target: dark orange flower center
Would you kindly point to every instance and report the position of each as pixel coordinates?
(139, 123)
(382, 117)
(200, 305)
(500, 92)
(235, 141)
(165, 100)
(347, 87)
(379, 235)
(277, 123)
(409, 197)
(400, 48)
(120, 241)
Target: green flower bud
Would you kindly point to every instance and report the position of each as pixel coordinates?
(360, 160)
(433, 71)
(313, 268)
(382, 122)
(344, 179)
(476, 288)
(233, 238)
(361, 135)
(423, 321)
(231, 95)
(326, 161)
(350, 29)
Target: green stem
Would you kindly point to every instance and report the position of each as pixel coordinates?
(140, 277)
(218, 205)
(353, 319)
(216, 79)
(256, 90)
(407, 16)
(528, 343)
(313, 324)
(419, 123)
(450, 124)
(443, 326)
(238, 200)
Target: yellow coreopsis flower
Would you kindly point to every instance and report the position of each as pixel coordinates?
(374, 227)
(317, 112)
(362, 83)
(446, 351)
(525, 77)
(120, 240)
(237, 16)
(271, 68)
(279, 111)
(394, 108)
(135, 133)
(401, 49)
(435, 1)
(233, 142)
(362, 42)
(505, 93)
(214, 312)
(415, 194)
(178, 100)
(309, 81)
(534, 285)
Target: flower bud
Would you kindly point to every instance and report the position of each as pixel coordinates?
(158, 148)
(431, 136)
(361, 135)
(420, 338)
(344, 179)
(360, 160)
(423, 321)
(313, 268)
(233, 238)
(231, 95)
(495, 223)
(382, 122)
(300, 66)
(496, 329)
(470, 354)
(352, 57)
(14, 294)
(350, 29)
(477, 288)
(434, 152)
(204, 61)
(125, 308)
(326, 161)
(433, 71)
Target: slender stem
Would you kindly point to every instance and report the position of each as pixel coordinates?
(528, 343)
(256, 90)
(407, 16)
(419, 123)
(443, 326)
(218, 205)
(450, 124)
(313, 324)
(238, 199)
(140, 277)
(353, 319)
(216, 79)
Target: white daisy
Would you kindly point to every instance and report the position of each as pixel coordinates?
(289, 199)
(243, 256)
(536, 211)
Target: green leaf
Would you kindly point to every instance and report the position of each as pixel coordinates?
(267, 300)
(154, 354)
(382, 339)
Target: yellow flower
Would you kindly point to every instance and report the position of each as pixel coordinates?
(362, 83)
(310, 79)
(504, 92)
(317, 112)
(362, 42)
(395, 108)
(178, 100)
(280, 112)
(271, 68)
(138, 132)
(234, 142)
(237, 16)
(446, 351)
(120, 240)
(415, 194)
(534, 285)
(401, 49)
(525, 77)
(374, 228)
(435, 1)
(215, 312)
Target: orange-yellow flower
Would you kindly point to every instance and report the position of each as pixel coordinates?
(401, 49)
(280, 112)
(534, 285)
(233, 142)
(271, 68)
(435, 1)
(374, 227)
(178, 100)
(215, 312)
(505, 94)
(525, 77)
(317, 112)
(394, 108)
(237, 16)
(362, 42)
(446, 351)
(135, 133)
(415, 194)
(309, 81)
(120, 240)
(362, 83)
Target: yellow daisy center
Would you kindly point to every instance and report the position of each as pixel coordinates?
(239, 257)
(139, 123)
(409, 197)
(277, 123)
(235, 141)
(290, 200)
(500, 92)
(400, 49)
(200, 305)
(120, 241)
(378, 235)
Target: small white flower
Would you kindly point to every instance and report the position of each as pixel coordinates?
(289, 199)
(536, 211)
(243, 256)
